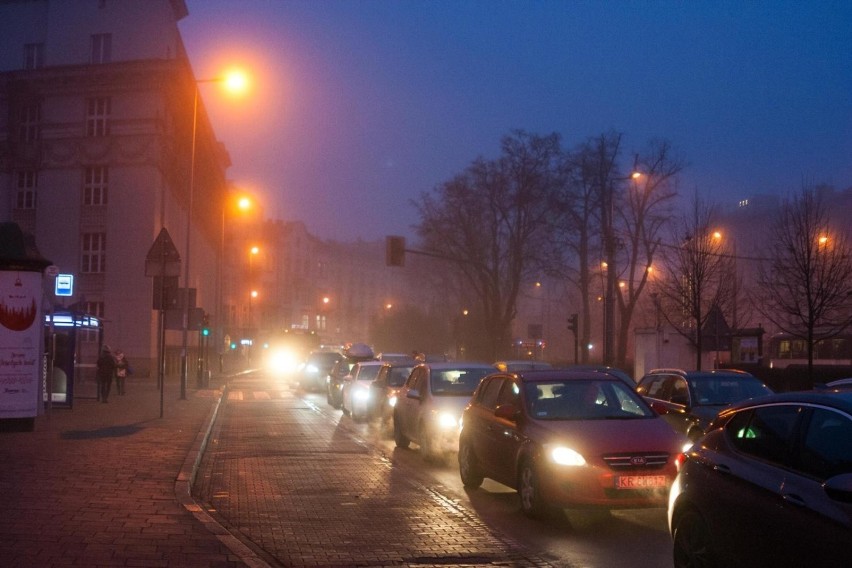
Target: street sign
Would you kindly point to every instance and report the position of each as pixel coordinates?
(64, 285)
(163, 258)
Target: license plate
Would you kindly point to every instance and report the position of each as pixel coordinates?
(640, 481)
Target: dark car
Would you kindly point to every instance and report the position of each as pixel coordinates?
(770, 484)
(385, 389)
(312, 376)
(567, 439)
(690, 400)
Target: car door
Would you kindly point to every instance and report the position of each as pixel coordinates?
(378, 391)
(506, 434)
(409, 403)
(745, 479)
(480, 423)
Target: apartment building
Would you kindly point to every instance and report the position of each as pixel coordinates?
(96, 148)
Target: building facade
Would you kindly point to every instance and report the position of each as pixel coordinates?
(96, 150)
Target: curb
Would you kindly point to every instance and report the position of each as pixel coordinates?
(183, 491)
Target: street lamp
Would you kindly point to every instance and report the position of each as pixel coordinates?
(607, 212)
(235, 82)
(242, 203)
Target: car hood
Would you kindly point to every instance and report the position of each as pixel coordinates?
(593, 437)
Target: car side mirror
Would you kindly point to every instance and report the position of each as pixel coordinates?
(506, 412)
(839, 487)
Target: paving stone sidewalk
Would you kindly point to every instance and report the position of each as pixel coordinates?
(107, 484)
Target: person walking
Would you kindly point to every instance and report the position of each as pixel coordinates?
(105, 372)
(122, 370)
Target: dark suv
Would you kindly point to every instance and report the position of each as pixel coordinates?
(690, 400)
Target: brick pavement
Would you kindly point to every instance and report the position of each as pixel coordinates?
(109, 485)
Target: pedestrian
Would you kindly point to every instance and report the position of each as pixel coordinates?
(122, 370)
(105, 372)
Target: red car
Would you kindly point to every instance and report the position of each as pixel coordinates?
(566, 439)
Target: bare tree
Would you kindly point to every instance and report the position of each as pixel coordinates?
(644, 209)
(491, 221)
(698, 278)
(805, 287)
(577, 221)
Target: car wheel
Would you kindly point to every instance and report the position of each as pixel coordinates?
(692, 546)
(469, 467)
(399, 438)
(533, 504)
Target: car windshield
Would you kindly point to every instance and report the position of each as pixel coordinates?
(583, 400)
(456, 382)
(398, 376)
(719, 390)
(368, 372)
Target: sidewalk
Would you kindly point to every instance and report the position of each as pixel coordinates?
(109, 484)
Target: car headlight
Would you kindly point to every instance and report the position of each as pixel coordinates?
(312, 369)
(361, 394)
(447, 420)
(283, 361)
(392, 400)
(564, 455)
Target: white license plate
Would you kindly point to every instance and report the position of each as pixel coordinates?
(640, 481)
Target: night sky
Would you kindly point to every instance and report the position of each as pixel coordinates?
(358, 107)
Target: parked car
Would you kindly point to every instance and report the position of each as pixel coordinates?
(567, 439)
(770, 484)
(354, 353)
(690, 400)
(628, 380)
(312, 375)
(356, 391)
(385, 389)
(521, 365)
(430, 404)
(836, 384)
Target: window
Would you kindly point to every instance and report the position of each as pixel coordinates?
(33, 56)
(97, 116)
(768, 434)
(828, 445)
(95, 185)
(489, 393)
(93, 309)
(94, 253)
(26, 190)
(101, 48)
(30, 122)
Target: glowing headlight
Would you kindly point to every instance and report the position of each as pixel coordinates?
(447, 420)
(566, 456)
(361, 394)
(686, 447)
(392, 401)
(283, 361)
(312, 369)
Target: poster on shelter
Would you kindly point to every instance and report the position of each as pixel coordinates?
(21, 343)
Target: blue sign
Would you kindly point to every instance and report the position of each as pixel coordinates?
(64, 285)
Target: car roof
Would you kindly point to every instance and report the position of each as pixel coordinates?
(841, 399)
(694, 374)
(451, 365)
(547, 375)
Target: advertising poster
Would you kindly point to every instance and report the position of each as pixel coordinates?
(21, 339)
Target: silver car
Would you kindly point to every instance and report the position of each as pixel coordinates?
(431, 402)
(356, 389)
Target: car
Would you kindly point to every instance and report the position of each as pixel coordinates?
(521, 365)
(385, 389)
(605, 369)
(568, 439)
(396, 357)
(353, 353)
(356, 391)
(769, 484)
(430, 404)
(837, 384)
(312, 375)
(690, 400)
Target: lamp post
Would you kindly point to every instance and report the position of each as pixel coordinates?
(607, 212)
(235, 82)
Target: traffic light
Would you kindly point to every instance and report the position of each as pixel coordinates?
(395, 251)
(572, 323)
(205, 325)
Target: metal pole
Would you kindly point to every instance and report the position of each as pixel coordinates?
(185, 343)
(609, 294)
